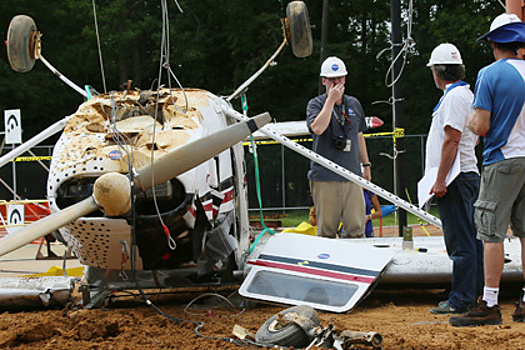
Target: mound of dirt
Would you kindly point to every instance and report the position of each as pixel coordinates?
(402, 317)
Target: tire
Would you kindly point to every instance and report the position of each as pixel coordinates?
(21, 40)
(270, 333)
(299, 32)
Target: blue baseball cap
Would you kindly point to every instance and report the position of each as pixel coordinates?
(506, 28)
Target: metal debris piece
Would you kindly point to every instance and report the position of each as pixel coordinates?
(35, 292)
(305, 323)
(331, 338)
(279, 333)
(242, 333)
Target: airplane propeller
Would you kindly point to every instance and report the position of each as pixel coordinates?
(111, 192)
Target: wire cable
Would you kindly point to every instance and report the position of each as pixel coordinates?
(143, 296)
(229, 303)
(120, 139)
(244, 103)
(98, 46)
(164, 59)
(408, 45)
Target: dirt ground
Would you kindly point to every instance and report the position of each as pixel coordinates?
(402, 318)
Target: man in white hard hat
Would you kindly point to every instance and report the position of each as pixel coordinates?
(337, 122)
(450, 143)
(499, 116)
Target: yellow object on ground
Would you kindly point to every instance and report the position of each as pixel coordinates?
(303, 228)
(57, 271)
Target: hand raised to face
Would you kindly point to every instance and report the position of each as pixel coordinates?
(335, 87)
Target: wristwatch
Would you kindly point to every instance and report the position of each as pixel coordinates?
(366, 164)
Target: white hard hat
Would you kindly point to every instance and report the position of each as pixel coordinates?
(333, 67)
(506, 28)
(504, 19)
(445, 54)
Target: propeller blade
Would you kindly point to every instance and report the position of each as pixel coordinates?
(46, 225)
(173, 164)
(192, 154)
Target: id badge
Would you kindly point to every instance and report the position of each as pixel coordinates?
(348, 146)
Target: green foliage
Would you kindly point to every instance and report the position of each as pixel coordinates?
(458, 22)
(218, 44)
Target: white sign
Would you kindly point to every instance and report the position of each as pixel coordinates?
(15, 217)
(13, 126)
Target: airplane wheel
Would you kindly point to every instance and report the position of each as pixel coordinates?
(299, 32)
(21, 40)
(271, 332)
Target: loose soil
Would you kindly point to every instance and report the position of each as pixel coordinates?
(402, 317)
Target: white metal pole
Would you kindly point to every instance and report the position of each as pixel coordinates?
(342, 171)
(283, 180)
(14, 180)
(242, 197)
(241, 88)
(50, 131)
(62, 77)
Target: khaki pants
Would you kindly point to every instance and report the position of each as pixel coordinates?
(335, 202)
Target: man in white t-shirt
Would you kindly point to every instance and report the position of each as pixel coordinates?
(449, 141)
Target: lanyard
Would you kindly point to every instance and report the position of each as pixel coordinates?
(453, 86)
(341, 121)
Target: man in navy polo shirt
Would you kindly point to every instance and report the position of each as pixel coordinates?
(337, 122)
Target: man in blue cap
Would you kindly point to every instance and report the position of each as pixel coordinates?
(499, 116)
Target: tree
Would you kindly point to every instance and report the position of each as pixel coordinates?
(217, 44)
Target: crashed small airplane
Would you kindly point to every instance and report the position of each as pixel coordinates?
(147, 188)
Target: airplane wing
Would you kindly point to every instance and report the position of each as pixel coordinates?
(290, 129)
(298, 128)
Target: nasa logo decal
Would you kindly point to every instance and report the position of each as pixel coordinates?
(324, 256)
(115, 155)
(335, 67)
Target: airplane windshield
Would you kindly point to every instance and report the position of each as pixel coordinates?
(296, 288)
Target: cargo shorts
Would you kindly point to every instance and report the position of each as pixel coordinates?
(501, 200)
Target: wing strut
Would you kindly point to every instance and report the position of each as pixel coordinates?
(392, 198)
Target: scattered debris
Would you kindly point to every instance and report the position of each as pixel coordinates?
(299, 327)
(331, 338)
(35, 292)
